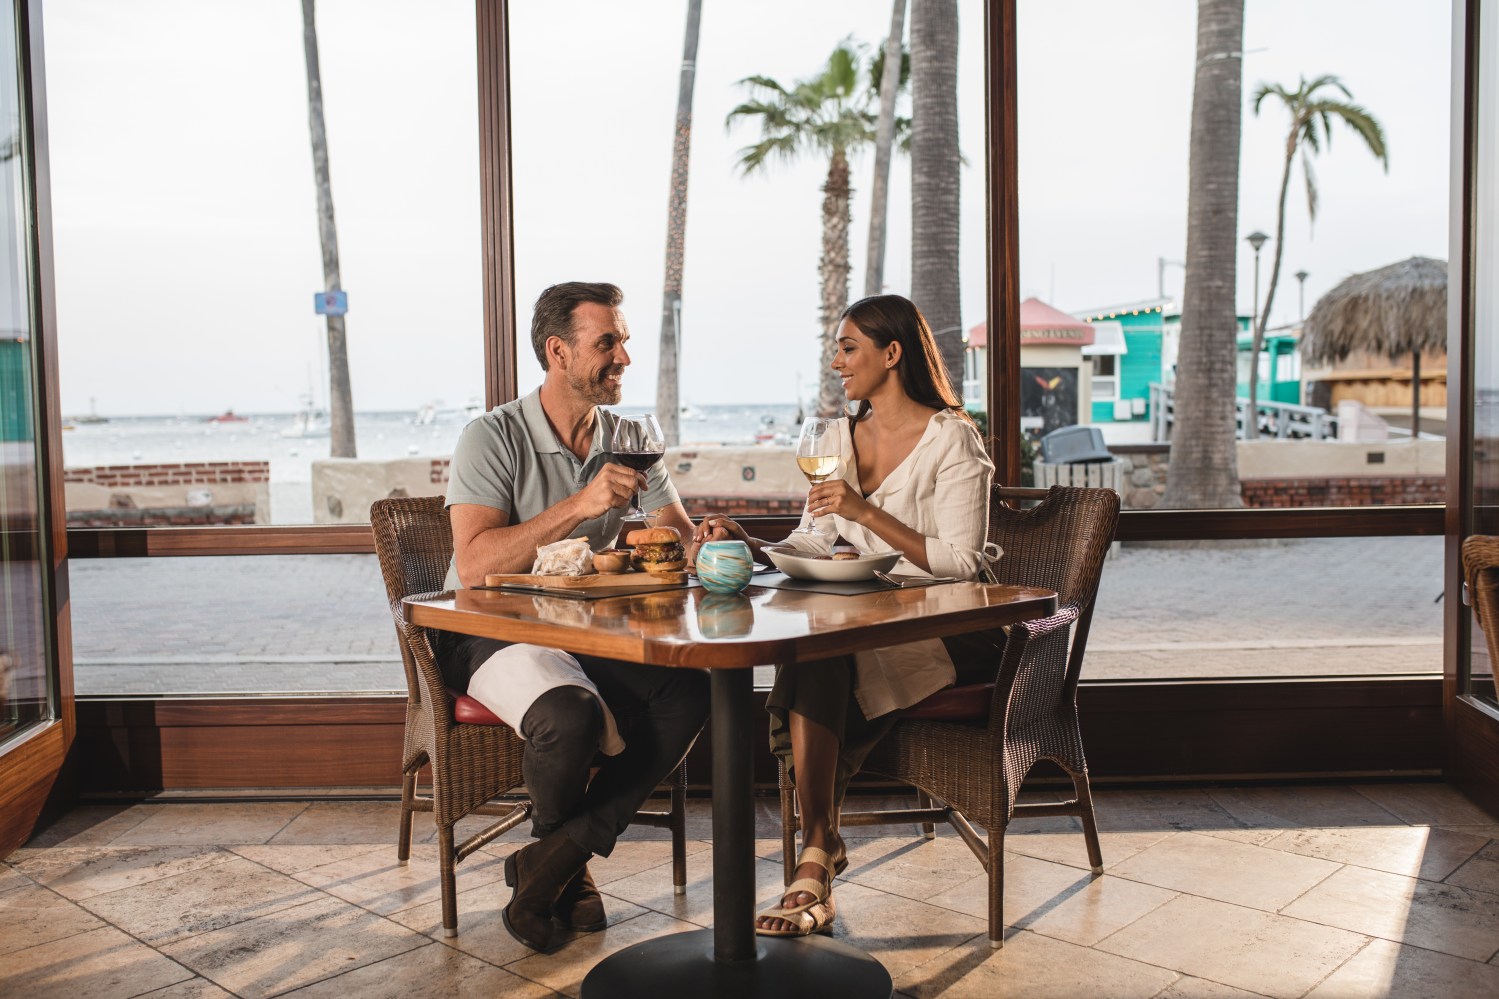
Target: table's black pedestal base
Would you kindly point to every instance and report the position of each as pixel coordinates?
(681, 966)
(730, 961)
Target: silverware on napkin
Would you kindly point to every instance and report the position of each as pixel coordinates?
(908, 582)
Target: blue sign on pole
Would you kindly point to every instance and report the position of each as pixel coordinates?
(331, 303)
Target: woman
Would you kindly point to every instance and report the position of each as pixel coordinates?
(915, 479)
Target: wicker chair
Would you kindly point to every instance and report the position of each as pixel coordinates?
(474, 757)
(1481, 573)
(968, 749)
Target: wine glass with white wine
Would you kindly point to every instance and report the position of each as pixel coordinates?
(819, 454)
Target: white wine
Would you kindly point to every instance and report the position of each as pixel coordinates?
(818, 468)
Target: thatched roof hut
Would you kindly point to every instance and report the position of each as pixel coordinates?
(1396, 310)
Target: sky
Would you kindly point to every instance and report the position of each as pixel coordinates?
(183, 204)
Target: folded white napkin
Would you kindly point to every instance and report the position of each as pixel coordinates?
(513, 678)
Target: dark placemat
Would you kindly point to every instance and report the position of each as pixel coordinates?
(781, 581)
(587, 593)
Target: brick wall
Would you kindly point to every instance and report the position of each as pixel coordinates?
(122, 512)
(1387, 491)
(745, 506)
(194, 473)
(1147, 465)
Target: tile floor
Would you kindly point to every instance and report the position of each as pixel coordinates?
(1329, 891)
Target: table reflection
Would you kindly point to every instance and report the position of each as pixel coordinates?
(725, 615)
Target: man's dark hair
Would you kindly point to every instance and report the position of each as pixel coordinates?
(553, 315)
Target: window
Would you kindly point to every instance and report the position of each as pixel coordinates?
(1105, 382)
(592, 203)
(1104, 192)
(1104, 189)
(27, 681)
(194, 370)
(295, 624)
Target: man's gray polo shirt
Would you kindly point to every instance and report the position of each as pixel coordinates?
(510, 459)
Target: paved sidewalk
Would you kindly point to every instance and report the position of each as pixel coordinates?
(320, 622)
(1277, 608)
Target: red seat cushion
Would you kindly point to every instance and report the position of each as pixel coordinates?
(467, 711)
(970, 703)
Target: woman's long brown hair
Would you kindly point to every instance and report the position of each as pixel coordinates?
(888, 319)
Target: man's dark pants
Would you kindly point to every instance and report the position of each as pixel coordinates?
(659, 711)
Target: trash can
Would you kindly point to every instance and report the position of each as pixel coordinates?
(1076, 456)
(1074, 445)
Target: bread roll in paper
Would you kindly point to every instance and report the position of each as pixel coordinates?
(572, 557)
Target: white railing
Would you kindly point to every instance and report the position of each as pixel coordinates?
(1275, 420)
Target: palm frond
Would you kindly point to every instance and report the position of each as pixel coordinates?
(1265, 90)
(1311, 187)
(877, 72)
(763, 82)
(830, 112)
(1309, 133)
(1365, 124)
(773, 118)
(841, 77)
(1325, 80)
(752, 158)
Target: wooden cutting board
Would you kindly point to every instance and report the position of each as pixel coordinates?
(599, 583)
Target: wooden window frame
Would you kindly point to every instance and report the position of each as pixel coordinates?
(1320, 726)
(1003, 359)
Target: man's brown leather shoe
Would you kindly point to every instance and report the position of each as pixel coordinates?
(538, 873)
(581, 906)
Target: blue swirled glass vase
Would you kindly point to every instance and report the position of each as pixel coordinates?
(724, 566)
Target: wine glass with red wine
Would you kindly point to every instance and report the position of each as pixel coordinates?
(637, 444)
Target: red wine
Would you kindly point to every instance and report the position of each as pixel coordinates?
(638, 460)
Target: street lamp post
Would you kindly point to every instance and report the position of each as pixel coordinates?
(1257, 240)
(1301, 277)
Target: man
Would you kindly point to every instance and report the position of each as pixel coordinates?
(526, 474)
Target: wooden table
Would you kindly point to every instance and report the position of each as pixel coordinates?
(726, 634)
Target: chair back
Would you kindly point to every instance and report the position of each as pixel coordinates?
(414, 541)
(1481, 573)
(1060, 544)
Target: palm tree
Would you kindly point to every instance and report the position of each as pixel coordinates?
(890, 77)
(935, 176)
(829, 114)
(340, 396)
(1204, 468)
(1312, 115)
(668, 409)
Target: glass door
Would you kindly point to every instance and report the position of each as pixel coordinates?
(1477, 680)
(33, 723)
(1472, 709)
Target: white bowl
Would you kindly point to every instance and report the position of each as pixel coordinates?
(800, 565)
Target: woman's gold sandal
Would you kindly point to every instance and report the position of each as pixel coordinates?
(815, 916)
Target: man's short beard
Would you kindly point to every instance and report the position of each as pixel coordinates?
(597, 390)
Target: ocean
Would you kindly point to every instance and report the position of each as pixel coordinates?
(274, 437)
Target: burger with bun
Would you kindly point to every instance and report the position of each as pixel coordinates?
(657, 549)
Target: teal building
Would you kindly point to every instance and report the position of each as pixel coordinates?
(1134, 345)
(1280, 366)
